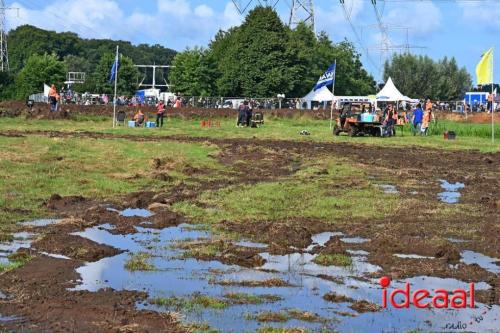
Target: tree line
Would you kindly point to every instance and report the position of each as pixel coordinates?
(38, 56)
(262, 57)
(422, 77)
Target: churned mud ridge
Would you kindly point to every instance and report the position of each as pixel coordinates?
(38, 296)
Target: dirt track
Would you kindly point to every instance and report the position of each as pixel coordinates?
(38, 290)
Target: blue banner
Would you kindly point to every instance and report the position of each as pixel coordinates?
(328, 78)
(114, 69)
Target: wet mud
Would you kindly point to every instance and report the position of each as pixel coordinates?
(413, 244)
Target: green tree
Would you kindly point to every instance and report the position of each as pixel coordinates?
(6, 85)
(256, 63)
(127, 76)
(263, 57)
(422, 77)
(193, 73)
(39, 69)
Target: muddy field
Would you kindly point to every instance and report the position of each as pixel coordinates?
(76, 280)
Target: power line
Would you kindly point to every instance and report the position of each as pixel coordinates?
(358, 38)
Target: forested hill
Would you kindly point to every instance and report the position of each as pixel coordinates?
(79, 54)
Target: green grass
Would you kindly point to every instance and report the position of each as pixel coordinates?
(244, 298)
(190, 303)
(335, 259)
(5, 267)
(299, 196)
(470, 136)
(139, 262)
(35, 167)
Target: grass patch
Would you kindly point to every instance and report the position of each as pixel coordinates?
(5, 267)
(335, 259)
(36, 167)
(15, 260)
(139, 262)
(190, 303)
(470, 136)
(200, 328)
(244, 298)
(305, 316)
(314, 192)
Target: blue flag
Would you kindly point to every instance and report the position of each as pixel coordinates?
(327, 78)
(114, 69)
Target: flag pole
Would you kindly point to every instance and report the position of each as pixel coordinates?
(492, 102)
(116, 80)
(333, 95)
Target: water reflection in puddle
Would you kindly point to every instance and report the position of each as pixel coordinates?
(451, 194)
(321, 239)
(184, 277)
(251, 244)
(139, 212)
(40, 223)
(388, 188)
(488, 263)
(412, 256)
(21, 240)
(354, 240)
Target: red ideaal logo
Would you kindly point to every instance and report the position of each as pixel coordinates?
(440, 299)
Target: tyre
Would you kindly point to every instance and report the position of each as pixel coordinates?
(336, 130)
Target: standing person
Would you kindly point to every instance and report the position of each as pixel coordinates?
(249, 111)
(418, 115)
(389, 120)
(428, 105)
(53, 98)
(490, 103)
(160, 113)
(242, 113)
(426, 121)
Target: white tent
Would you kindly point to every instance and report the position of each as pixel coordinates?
(320, 95)
(390, 93)
(46, 89)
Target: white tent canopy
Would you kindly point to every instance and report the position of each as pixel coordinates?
(320, 95)
(390, 93)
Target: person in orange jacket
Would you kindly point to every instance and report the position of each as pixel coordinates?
(160, 113)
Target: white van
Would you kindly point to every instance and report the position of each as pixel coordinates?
(232, 103)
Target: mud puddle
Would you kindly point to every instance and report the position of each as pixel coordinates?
(451, 192)
(20, 240)
(172, 277)
(488, 263)
(388, 188)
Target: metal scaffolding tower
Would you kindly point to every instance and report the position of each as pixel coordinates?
(300, 10)
(153, 84)
(4, 56)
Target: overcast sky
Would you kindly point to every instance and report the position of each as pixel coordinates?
(463, 28)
